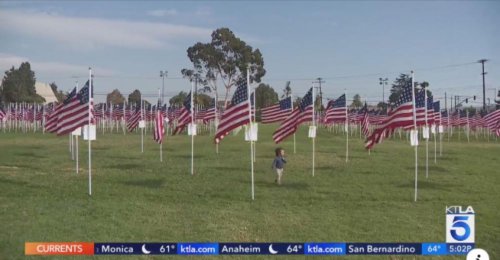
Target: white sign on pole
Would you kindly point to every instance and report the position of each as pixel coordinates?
(441, 129)
(425, 133)
(312, 131)
(433, 129)
(77, 132)
(414, 137)
(142, 124)
(251, 134)
(191, 129)
(92, 132)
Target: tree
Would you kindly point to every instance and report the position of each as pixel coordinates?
(225, 58)
(115, 97)
(60, 95)
(203, 100)
(18, 85)
(356, 102)
(382, 106)
(287, 91)
(178, 99)
(265, 96)
(498, 100)
(135, 97)
(400, 82)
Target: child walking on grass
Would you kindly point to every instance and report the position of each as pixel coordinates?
(279, 164)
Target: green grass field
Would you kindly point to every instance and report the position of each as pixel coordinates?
(138, 198)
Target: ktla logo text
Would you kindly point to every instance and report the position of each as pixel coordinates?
(460, 224)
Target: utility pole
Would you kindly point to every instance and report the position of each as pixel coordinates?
(319, 81)
(163, 75)
(445, 102)
(383, 82)
(482, 61)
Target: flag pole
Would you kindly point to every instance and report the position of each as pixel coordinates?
(192, 127)
(142, 129)
(346, 129)
(161, 143)
(294, 144)
(415, 133)
(250, 129)
(254, 122)
(314, 125)
(426, 130)
(76, 141)
(88, 133)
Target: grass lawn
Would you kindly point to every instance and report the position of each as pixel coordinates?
(137, 198)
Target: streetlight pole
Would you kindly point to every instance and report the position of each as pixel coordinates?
(482, 61)
(383, 82)
(163, 75)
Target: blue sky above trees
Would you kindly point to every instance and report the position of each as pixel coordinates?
(350, 44)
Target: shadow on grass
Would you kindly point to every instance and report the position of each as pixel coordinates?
(151, 183)
(224, 169)
(13, 182)
(126, 166)
(432, 168)
(284, 185)
(428, 185)
(31, 154)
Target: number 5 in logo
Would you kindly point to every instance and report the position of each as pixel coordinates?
(460, 223)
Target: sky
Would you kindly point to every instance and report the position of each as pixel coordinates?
(349, 44)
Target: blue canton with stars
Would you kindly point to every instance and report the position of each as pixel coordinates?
(306, 100)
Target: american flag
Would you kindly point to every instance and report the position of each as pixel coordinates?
(475, 121)
(133, 120)
(277, 112)
(209, 113)
(401, 115)
(492, 121)
(2, 113)
(236, 114)
(420, 107)
(464, 118)
(365, 123)
(185, 116)
(430, 110)
(302, 114)
(444, 118)
(337, 111)
(437, 114)
(75, 111)
(159, 129)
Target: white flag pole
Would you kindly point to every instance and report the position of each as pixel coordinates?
(76, 141)
(468, 126)
(88, 132)
(250, 129)
(216, 120)
(346, 128)
(158, 107)
(314, 125)
(415, 129)
(254, 122)
(142, 129)
(192, 127)
(291, 104)
(427, 135)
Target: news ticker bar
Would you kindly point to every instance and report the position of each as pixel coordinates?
(91, 248)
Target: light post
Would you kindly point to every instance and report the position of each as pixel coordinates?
(383, 82)
(163, 75)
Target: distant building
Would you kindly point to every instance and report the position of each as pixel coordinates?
(44, 90)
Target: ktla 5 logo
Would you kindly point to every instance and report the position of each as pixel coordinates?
(459, 225)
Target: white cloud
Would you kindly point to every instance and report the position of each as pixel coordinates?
(50, 67)
(88, 33)
(162, 12)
